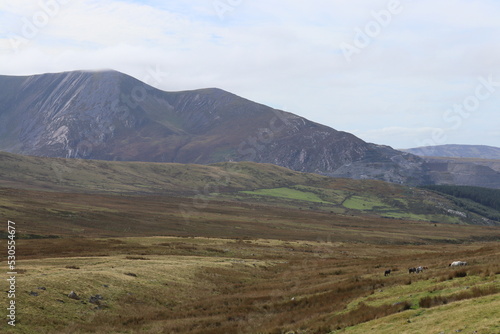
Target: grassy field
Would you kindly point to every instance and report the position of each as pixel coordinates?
(39, 213)
(287, 193)
(214, 285)
(236, 182)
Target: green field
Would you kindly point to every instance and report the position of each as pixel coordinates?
(287, 193)
(364, 203)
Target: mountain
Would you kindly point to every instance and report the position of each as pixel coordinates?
(457, 151)
(111, 116)
(467, 165)
(464, 171)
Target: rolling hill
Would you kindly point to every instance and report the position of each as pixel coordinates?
(55, 196)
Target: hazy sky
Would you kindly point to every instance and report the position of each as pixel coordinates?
(402, 73)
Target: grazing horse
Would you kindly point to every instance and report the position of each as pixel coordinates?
(412, 270)
(387, 272)
(419, 269)
(457, 263)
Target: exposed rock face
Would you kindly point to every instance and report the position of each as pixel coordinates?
(464, 172)
(111, 116)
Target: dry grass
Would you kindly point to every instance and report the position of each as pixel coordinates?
(479, 315)
(72, 215)
(200, 285)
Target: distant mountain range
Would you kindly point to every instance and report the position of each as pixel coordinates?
(108, 115)
(457, 151)
(112, 116)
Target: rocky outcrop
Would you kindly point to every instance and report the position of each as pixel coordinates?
(463, 172)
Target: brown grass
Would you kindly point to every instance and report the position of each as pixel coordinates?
(40, 213)
(136, 258)
(366, 313)
(72, 267)
(309, 287)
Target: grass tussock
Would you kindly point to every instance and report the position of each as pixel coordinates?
(366, 313)
(72, 267)
(475, 292)
(129, 257)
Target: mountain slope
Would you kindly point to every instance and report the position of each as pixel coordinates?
(464, 171)
(111, 116)
(457, 151)
(241, 184)
(117, 177)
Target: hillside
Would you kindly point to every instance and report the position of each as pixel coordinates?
(457, 151)
(461, 165)
(111, 116)
(68, 196)
(464, 171)
(484, 201)
(93, 176)
(228, 286)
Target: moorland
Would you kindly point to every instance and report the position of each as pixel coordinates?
(242, 248)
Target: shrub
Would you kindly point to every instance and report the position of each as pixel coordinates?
(72, 267)
(460, 273)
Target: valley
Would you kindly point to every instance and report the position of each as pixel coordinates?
(240, 248)
(249, 167)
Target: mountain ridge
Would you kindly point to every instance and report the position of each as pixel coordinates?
(457, 151)
(112, 116)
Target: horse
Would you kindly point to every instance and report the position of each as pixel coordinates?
(412, 270)
(457, 263)
(419, 269)
(387, 272)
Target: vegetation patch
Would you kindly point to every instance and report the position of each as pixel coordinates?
(475, 292)
(287, 193)
(364, 203)
(482, 201)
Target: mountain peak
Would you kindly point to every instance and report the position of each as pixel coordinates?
(109, 115)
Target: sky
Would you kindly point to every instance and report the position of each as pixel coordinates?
(404, 73)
